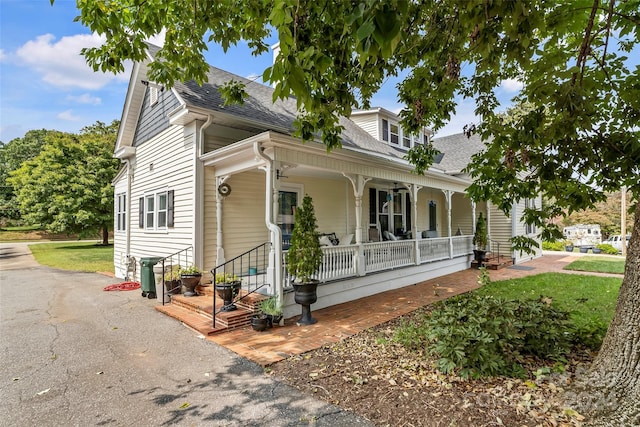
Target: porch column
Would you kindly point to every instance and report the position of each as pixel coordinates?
(413, 195)
(447, 197)
(219, 242)
(358, 182)
(473, 216)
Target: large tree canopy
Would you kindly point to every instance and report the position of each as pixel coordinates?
(67, 186)
(575, 136)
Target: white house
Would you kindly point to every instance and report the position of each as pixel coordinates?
(220, 182)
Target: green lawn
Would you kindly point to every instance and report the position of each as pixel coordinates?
(598, 264)
(81, 256)
(591, 300)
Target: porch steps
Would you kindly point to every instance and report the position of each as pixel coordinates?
(493, 262)
(197, 312)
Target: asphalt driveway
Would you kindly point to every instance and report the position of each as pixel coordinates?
(72, 354)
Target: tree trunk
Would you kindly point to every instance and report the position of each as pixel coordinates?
(105, 235)
(609, 392)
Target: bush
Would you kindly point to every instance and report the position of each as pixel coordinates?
(488, 336)
(607, 249)
(553, 246)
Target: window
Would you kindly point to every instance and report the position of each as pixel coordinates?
(390, 209)
(121, 212)
(153, 95)
(406, 140)
(156, 211)
(289, 198)
(531, 204)
(433, 214)
(385, 130)
(394, 133)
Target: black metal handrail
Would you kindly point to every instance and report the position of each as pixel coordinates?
(491, 243)
(178, 259)
(249, 269)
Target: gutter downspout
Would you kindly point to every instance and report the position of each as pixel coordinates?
(274, 271)
(198, 212)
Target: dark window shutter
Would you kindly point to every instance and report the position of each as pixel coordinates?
(170, 208)
(141, 212)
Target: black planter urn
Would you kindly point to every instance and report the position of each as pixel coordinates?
(305, 295)
(480, 256)
(190, 281)
(259, 323)
(228, 291)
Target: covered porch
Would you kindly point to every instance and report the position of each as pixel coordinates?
(385, 217)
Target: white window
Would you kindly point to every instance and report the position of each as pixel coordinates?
(153, 95)
(406, 140)
(389, 209)
(531, 204)
(394, 130)
(121, 212)
(156, 210)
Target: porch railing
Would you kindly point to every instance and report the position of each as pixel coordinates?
(340, 262)
(387, 255)
(434, 249)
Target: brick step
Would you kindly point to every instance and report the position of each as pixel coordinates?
(197, 312)
(494, 262)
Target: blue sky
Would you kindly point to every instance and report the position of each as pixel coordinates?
(45, 83)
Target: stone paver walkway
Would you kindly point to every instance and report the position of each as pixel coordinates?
(338, 322)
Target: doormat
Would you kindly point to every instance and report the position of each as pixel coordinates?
(521, 267)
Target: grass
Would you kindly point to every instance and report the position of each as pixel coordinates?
(590, 300)
(598, 264)
(81, 256)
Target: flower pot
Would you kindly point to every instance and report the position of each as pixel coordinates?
(305, 295)
(228, 291)
(190, 281)
(596, 250)
(584, 250)
(480, 256)
(259, 323)
(273, 319)
(173, 287)
(568, 248)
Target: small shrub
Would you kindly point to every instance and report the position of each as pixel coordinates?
(607, 249)
(589, 333)
(488, 336)
(553, 246)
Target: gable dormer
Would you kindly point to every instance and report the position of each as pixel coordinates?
(385, 126)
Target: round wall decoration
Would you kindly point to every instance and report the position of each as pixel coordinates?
(224, 189)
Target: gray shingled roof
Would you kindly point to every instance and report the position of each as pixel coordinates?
(259, 107)
(457, 150)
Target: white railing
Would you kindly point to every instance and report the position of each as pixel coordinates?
(462, 245)
(386, 255)
(339, 262)
(434, 249)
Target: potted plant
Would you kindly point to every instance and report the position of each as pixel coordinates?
(272, 310)
(227, 287)
(259, 322)
(568, 246)
(480, 240)
(172, 280)
(190, 277)
(304, 258)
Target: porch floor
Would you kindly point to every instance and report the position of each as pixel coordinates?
(341, 321)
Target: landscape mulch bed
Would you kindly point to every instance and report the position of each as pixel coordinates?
(380, 380)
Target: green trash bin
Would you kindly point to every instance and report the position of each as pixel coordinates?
(147, 278)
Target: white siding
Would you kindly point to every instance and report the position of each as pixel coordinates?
(120, 237)
(165, 162)
(461, 214)
(369, 123)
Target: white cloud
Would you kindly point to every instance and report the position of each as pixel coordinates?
(511, 85)
(85, 99)
(158, 39)
(68, 116)
(60, 63)
(3, 55)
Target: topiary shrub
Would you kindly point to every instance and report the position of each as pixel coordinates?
(487, 336)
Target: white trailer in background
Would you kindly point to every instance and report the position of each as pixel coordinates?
(583, 234)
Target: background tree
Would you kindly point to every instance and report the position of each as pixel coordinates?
(12, 155)
(578, 140)
(606, 213)
(67, 186)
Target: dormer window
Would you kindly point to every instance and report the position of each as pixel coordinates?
(406, 140)
(395, 132)
(385, 130)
